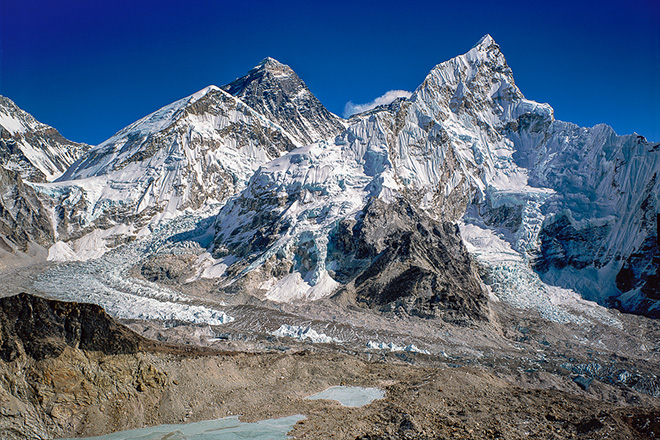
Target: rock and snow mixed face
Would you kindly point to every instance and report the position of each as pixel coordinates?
(281, 221)
(274, 90)
(197, 151)
(419, 148)
(35, 150)
(466, 144)
(600, 234)
(29, 152)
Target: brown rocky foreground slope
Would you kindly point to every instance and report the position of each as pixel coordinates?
(67, 369)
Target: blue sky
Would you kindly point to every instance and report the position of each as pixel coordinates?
(89, 68)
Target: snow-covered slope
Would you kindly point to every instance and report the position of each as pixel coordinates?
(35, 150)
(600, 234)
(316, 220)
(418, 149)
(198, 150)
(314, 206)
(291, 204)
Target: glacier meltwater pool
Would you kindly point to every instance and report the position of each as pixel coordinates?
(350, 396)
(228, 428)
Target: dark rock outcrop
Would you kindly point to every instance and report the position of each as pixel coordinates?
(563, 244)
(42, 329)
(396, 258)
(23, 218)
(275, 91)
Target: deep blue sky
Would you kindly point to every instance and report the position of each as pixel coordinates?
(90, 67)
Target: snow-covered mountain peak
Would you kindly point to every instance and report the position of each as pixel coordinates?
(486, 42)
(273, 66)
(453, 125)
(483, 63)
(196, 151)
(466, 146)
(14, 120)
(33, 149)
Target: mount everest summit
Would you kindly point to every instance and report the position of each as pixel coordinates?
(428, 206)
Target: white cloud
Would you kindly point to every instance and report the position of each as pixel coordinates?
(387, 98)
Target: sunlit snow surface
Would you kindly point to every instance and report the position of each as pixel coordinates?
(228, 428)
(353, 397)
(105, 281)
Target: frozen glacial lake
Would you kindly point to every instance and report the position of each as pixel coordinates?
(228, 428)
(350, 396)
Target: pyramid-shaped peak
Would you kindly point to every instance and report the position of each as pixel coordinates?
(274, 90)
(486, 41)
(486, 47)
(269, 64)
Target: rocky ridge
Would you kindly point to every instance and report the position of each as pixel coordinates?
(24, 220)
(196, 152)
(466, 147)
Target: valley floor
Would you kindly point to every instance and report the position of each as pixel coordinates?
(92, 394)
(486, 392)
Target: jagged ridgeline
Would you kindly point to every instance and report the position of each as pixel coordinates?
(365, 210)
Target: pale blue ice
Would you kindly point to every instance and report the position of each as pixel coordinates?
(228, 428)
(350, 396)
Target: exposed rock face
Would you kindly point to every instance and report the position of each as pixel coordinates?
(562, 244)
(61, 360)
(61, 383)
(579, 205)
(396, 258)
(199, 150)
(279, 228)
(36, 151)
(203, 147)
(275, 91)
(42, 329)
(169, 269)
(23, 218)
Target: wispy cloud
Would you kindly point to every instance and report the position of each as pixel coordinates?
(350, 108)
